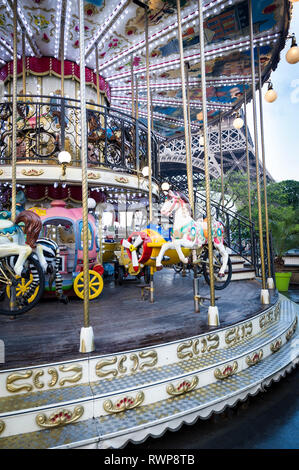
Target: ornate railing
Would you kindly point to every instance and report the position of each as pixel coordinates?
(48, 124)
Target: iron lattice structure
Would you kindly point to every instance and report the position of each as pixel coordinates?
(172, 155)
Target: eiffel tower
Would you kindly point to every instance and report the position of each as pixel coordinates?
(172, 155)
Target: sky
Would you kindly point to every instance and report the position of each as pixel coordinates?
(281, 118)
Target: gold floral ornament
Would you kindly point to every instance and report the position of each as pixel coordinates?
(124, 404)
(184, 387)
(93, 176)
(292, 330)
(255, 358)
(227, 371)
(121, 179)
(60, 418)
(276, 345)
(32, 172)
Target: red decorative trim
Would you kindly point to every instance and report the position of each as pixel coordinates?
(146, 250)
(49, 65)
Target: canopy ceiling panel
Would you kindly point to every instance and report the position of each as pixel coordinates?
(116, 28)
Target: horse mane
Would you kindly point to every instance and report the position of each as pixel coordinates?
(33, 226)
(184, 198)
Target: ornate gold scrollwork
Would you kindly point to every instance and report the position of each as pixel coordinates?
(238, 333)
(52, 371)
(227, 371)
(36, 381)
(270, 316)
(1, 172)
(74, 378)
(15, 377)
(135, 360)
(184, 387)
(2, 426)
(103, 363)
(182, 347)
(124, 404)
(120, 367)
(205, 346)
(148, 354)
(255, 358)
(60, 418)
(276, 345)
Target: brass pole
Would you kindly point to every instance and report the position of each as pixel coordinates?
(194, 255)
(213, 319)
(188, 155)
(97, 75)
(132, 87)
(136, 94)
(221, 161)
(189, 116)
(247, 154)
(149, 135)
(257, 153)
(23, 62)
(62, 58)
(264, 170)
(84, 348)
(14, 116)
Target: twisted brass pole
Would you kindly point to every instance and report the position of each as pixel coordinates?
(213, 318)
(97, 75)
(149, 134)
(247, 153)
(23, 62)
(221, 161)
(188, 154)
(270, 281)
(84, 171)
(14, 116)
(264, 293)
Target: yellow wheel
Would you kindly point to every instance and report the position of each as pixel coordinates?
(22, 287)
(95, 283)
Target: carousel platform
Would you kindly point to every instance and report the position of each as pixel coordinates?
(155, 366)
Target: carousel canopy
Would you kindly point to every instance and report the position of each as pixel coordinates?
(117, 29)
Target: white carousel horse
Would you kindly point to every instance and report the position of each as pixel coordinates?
(13, 242)
(190, 233)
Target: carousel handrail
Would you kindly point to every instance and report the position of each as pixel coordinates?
(127, 150)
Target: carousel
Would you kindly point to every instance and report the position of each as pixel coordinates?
(128, 305)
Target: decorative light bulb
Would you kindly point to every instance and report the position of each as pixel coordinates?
(238, 123)
(271, 94)
(292, 56)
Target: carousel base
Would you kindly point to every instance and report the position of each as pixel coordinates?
(103, 400)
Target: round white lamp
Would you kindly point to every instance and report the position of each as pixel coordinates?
(145, 171)
(238, 123)
(292, 56)
(271, 94)
(64, 157)
(165, 186)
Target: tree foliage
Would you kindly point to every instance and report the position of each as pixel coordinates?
(282, 203)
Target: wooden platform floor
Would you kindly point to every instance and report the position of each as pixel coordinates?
(121, 320)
